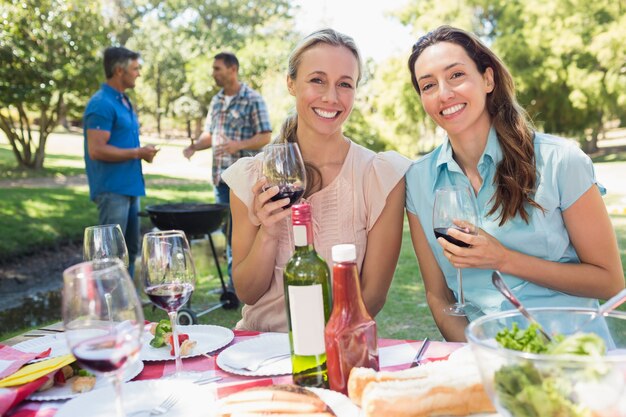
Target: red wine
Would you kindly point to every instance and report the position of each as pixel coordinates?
(441, 232)
(292, 193)
(104, 354)
(169, 297)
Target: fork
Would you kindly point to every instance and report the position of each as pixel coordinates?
(160, 409)
(420, 353)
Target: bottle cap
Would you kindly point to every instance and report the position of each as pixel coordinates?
(301, 213)
(344, 253)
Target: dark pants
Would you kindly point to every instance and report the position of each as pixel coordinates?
(122, 210)
(222, 196)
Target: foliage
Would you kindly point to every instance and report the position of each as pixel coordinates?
(49, 52)
(211, 25)
(567, 56)
(396, 109)
(164, 78)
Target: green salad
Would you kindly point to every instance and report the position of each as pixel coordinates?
(527, 391)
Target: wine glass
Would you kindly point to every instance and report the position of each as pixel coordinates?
(454, 208)
(105, 241)
(169, 276)
(283, 167)
(103, 319)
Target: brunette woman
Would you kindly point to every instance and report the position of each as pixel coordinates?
(544, 224)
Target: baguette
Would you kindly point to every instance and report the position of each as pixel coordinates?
(282, 400)
(458, 392)
(360, 378)
(451, 387)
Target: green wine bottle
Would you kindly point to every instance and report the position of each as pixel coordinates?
(308, 302)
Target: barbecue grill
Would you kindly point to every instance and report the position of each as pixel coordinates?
(197, 220)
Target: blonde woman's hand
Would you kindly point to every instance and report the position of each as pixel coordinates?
(270, 213)
(485, 251)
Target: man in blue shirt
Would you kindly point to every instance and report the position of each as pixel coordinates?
(237, 125)
(113, 153)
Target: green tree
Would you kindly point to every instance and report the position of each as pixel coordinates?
(163, 67)
(567, 56)
(49, 50)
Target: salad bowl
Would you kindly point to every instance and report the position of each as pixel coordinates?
(576, 375)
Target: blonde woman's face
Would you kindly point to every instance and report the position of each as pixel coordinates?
(452, 90)
(324, 88)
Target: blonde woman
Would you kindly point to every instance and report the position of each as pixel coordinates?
(356, 195)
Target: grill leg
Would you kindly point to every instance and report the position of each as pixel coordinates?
(217, 263)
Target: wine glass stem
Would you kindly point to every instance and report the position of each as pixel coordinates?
(107, 300)
(117, 386)
(459, 281)
(179, 362)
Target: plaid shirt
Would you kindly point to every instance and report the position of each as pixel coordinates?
(245, 116)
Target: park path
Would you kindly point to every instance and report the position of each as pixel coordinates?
(170, 162)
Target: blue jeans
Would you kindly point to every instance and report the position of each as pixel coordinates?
(122, 210)
(222, 196)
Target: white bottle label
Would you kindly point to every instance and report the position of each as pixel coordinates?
(306, 307)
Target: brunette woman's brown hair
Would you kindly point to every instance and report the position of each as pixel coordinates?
(516, 175)
(290, 125)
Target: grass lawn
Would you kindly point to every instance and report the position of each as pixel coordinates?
(41, 217)
(31, 218)
(54, 165)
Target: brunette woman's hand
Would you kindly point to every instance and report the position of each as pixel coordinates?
(484, 252)
(270, 213)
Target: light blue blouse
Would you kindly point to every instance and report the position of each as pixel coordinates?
(565, 173)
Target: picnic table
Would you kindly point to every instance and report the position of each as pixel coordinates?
(394, 355)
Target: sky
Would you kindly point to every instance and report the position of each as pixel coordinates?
(378, 36)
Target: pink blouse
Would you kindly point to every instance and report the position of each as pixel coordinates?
(343, 212)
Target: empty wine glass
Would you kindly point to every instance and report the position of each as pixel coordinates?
(169, 276)
(105, 241)
(454, 208)
(103, 319)
(283, 167)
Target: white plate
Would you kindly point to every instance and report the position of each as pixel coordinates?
(65, 392)
(341, 405)
(193, 400)
(254, 349)
(55, 341)
(209, 338)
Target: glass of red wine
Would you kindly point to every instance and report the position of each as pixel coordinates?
(454, 208)
(283, 166)
(169, 277)
(103, 319)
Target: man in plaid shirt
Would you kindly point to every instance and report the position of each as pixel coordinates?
(237, 125)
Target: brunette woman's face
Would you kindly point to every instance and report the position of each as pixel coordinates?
(453, 91)
(324, 88)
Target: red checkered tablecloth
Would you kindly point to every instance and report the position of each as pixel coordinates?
(394, 355)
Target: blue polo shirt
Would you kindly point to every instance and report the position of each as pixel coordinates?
(564, 174)
(106, 111)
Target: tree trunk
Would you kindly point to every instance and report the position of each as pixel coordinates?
(198, 127)
(29, 153)
(63, 115)
(158, 95)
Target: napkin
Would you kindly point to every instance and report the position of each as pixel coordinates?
(11, 397)
(13, 359)
(35, 371)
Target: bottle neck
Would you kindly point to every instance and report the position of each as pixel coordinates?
(347, 288)
(303, 235)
